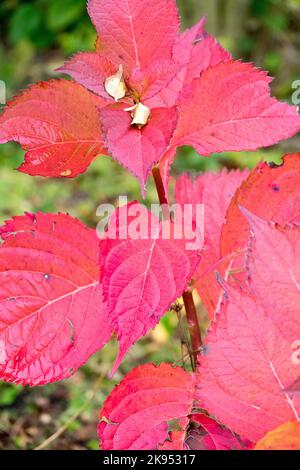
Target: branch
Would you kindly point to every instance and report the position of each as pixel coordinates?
(191, 312)
(159, 186)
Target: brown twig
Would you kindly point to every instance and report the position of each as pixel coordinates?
(159, 186)
(191, 312)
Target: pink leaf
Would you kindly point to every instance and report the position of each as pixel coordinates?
(274, 261)
(279, 185)
(165, 90)
(138, 412)
(52, 317)
(236, 111)
(214, 191)
(136, 270)
(246, 369)
(162, 84)
(186, 40)
(135, 32)
(179, 74)
(57, 123)
(137, 149)
(152, 409)
(90, 70)
(204, 54)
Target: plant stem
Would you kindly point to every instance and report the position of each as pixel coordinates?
(191, 312)
(193, 326)
(159, 186)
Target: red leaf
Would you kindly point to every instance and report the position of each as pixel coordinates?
(135, 32)
(274, 261)
(137, 149)
(207, 434)
(281, 202)
(246, 370)
(214, 191)
(136, 272)
(90, 70)
(57, 123)
(52, 317)
(236, 111)
(204, 54)
(138, 413)
(151, 409)
(184, 68)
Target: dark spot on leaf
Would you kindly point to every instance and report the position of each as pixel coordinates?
(275, 188)
(72, 331)
(205, 350)
(275, 165)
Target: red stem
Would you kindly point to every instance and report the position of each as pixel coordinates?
(159, 186)
(191, 312)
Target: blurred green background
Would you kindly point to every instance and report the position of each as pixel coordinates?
(35, 38)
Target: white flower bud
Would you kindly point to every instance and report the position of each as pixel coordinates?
(115, 85)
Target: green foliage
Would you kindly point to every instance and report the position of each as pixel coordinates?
(9, 394)
(41, 21)
(58, 18)
(26, 22)
(37, 34)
